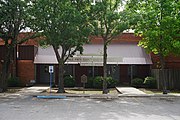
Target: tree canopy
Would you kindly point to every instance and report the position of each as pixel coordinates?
(158, 22)
(13, 20)
(64, 23)
(108, 18)
(108, 21)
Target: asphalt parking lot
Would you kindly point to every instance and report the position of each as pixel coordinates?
(123, 108)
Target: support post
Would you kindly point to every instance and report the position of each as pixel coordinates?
(51, 70)
(131, 73)
(51, 81)
(93, 71)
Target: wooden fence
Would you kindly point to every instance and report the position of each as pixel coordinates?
(170, 77)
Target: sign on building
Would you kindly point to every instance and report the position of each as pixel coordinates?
(94, 60)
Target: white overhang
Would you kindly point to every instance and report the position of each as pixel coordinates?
(45, 56)
(93, 55)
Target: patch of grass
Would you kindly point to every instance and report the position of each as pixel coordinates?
(155, 91)
(83, 91)
(175, 91)
(113, 91)
(13, 89)
(90, 91)
(150, 91)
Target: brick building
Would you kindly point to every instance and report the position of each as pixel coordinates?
(125, 61)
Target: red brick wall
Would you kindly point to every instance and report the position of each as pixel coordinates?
(172, 65)
(123, 38)
(172, 62)
(26, 71)
(124, 78)
(25, 35)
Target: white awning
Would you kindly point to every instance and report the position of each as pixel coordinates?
(93, 55)
(45, 56)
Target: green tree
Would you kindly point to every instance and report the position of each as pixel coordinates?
(64, 24)
(158, 22)
(108, 21)
(12, 21)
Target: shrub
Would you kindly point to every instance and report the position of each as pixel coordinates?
(69, 81)
(150, 82)
(89, 83)
(13, 82)
(111, 82)
(137, 82)
(97, 82)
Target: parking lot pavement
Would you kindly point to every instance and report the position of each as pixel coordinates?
(22, 93)
(123, 108)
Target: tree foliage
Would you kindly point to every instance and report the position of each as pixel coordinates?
(12, 21)
(158, 22)
(64, 23)
(108, 21)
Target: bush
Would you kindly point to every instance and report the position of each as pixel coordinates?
(69, 81)
(137, 82)
(150, 82)
(89, 83)
(97, 82)
(111, 82)
(13, 82)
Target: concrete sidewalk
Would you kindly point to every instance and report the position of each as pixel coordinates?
(129, 91)
(123, 92)
(32, 90)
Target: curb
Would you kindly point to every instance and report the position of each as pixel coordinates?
(150, 96)
(105, 96)
(51, 97)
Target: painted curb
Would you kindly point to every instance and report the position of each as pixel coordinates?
(51, 97)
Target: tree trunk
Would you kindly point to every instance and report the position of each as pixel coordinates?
(105, 69)
(61, 78)
(4, 76)
(162, 62)
(5, 70)
(14, 66)
(61, 70)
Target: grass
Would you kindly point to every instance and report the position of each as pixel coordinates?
(13, 89)
(150, 91)
(155, 91)
(84, 91)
